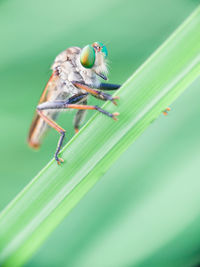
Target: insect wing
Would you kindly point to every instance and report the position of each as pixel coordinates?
(38, 126)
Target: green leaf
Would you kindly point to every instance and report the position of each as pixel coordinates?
(43, 204)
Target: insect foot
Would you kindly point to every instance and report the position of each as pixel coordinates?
(114, 116)
(109, 97)
(59, 160)
(165, 112)
(114, 102)
(76, 130)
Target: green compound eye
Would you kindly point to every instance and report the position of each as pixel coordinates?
(87, 57)
(105, 51)
(101, 47)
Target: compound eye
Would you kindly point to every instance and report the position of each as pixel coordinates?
(104, 51)
(87, 57)
(100, 47)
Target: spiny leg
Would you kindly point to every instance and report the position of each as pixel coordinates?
(59, 129)
(96, 93)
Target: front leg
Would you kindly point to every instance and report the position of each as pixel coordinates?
(96, 93)
(109, 86)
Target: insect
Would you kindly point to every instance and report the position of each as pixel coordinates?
(76, 74)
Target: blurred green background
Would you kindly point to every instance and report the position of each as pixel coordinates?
(100, 230)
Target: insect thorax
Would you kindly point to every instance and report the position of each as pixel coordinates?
(68, 67)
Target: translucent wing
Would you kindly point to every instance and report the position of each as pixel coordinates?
(38, 126)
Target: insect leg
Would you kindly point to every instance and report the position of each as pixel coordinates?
(87, 107)
(59, 129)
(165, 112)
(81, 98)
(79, 117)
(109, 86)
(64, 105)
(76, 98)
(53, 124)
(96, 93)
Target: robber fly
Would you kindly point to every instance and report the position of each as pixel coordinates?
(76, 74)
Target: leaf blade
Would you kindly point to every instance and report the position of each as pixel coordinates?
(55, 191)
